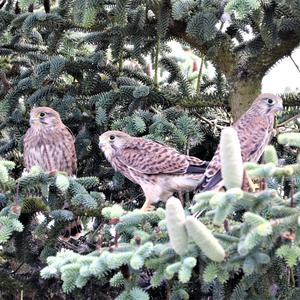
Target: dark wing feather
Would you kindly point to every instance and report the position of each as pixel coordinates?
(212, 182)
(192, 169)
(196, 165)
(212, 175)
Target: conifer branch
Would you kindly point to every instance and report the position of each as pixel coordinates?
(225, 58)
(227, 55)
(212, 123)
(263, 61)
(288, 120)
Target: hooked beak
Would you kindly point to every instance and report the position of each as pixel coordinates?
(101, 144)
(279, 106)
(34, 121)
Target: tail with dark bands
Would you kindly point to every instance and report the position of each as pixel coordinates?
(73, 230)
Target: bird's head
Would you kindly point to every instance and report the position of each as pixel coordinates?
(44, 116)
(113, 140)
(268, 103)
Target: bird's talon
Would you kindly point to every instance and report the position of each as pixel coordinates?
(253, 187)
(147, 207)
(53, 172)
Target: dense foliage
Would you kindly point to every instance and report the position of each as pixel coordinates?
(108, 65)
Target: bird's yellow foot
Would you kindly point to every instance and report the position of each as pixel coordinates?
(253, 186)
(249, 185)
(53, 172)
(147, 207)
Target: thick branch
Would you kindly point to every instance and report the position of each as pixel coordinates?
(228, 59)
(243, 93)
(266, 58)
(224, 58)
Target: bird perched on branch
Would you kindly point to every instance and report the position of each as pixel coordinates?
(158, 169)
(254, 129)
(49, 144)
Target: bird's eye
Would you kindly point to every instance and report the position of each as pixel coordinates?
(270, 101)
(112, 137)
(42, 115)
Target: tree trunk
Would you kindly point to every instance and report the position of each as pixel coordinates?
(243, 93)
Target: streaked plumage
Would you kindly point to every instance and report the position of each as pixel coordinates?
(49, 144)
(158, 169)
(254, 129)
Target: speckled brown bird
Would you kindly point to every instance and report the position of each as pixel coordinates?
(254, 129)
(158, 169)
(49, 144)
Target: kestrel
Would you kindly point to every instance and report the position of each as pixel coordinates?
(254, 129)
(158, 169)
(49, 144)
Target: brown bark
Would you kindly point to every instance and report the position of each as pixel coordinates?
(243, 92)
(225, 58)
(266, 58)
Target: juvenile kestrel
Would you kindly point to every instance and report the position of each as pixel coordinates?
(158, 169)
(49, 144)
(254, 129)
